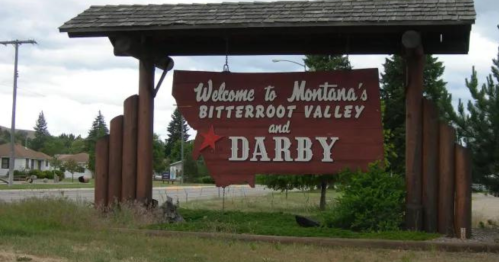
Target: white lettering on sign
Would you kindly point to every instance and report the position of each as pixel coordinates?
(204, 94)
(244, 149)
(325, 92)
(327, 147)
(304, 149)
(260, 150)
(282, 153)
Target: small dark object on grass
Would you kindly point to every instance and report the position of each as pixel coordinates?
(83, 179)
(170, 212)
(306, 222)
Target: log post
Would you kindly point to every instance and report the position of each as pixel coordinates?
(463, 193)
(446, 180)
(430, 166)
(145, 131)
(101, 171)
(129, 163)
(414, 137)
(115, 159)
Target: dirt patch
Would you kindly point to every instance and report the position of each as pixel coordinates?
(485, 221)
(8, 256)
(485, 207)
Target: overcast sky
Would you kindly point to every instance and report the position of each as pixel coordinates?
(72, 79)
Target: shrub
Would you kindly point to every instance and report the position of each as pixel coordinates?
(206, 180)
(48, 174)
(372, 201)
(60, 174)
(39, 174)
(18, 173)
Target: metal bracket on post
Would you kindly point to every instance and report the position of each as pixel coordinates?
(166, 64)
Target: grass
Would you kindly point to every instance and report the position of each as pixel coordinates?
(302, 203)
(276, 224)
(55, 229)
(271, 214)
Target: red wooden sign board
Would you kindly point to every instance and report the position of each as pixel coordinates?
(281, 123)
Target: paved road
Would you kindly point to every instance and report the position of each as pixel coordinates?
(183, 194)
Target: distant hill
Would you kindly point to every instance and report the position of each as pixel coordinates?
(31, 133)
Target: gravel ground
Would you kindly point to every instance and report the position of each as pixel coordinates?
(485, 209)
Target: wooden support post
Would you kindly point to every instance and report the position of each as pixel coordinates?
(145, 131)
(430, 166)
(463, 193)
(115, 159)
(129, 165)
(446, 180)
(414, 138)
(101, 172)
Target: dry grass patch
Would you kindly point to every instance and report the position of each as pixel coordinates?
(303, 203)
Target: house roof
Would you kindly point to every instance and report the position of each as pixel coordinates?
(78, 158)
(22, 152)
(192, 24)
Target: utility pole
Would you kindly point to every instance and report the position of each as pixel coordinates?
(182, 146)
(16, 44)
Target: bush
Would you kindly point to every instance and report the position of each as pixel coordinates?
(60, 174)
(372, 201)
(18, 173)
(206, 180)
(39, 174)
(48, 174)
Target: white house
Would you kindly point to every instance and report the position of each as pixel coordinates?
(81, 159)
(176, 170)
(25, 159)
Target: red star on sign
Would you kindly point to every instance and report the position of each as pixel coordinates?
(210, 139)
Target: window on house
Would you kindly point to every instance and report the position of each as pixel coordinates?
(39, 164)
(27, 164)
(32, 164)
(5, 163)
(46, 163)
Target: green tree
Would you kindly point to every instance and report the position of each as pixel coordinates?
(175, 131)
(55, 163)
(327, 62)
(42, 134)
(54, 146)
(393, 96)
(72, 167)
(77, 146)
(98, 130)
(158, 154)
(190, 164)
(479, 128)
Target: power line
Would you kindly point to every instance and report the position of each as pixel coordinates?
(16, 44)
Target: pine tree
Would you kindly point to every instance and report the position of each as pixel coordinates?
(175, 133)
(98, 130)
(479, 128)
(393, 95)
(327, 62)
(42, 134)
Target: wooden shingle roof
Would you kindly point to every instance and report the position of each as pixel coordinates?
(257, 14)
(345, 21)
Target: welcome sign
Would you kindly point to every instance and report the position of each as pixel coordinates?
(281, 123)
